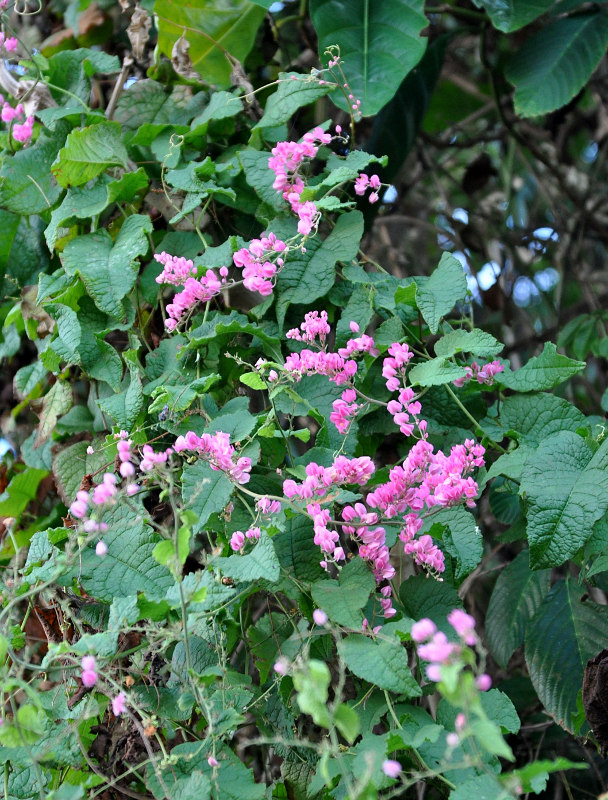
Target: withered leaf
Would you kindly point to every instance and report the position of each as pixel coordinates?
(139, 30)
(595, 697)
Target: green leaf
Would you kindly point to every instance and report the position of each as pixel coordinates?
(424, 597)
(293, 92)
(462, 540)
(562, 510)
(347, 722)
(308, 276)
(516, 596)
(89, 152)
(477, 343)
(530, 418)
(55, 402)
(253, 380)
(481, 787)
(211, 27)
(296, 550)
(124, 408)
(533, 777)
(510, 15)
(343, 600)
(72, 463)
(221, 106)
(109, 270)
(205, 490)
(358, 309)
(73, 69)
(435, 372)
(20, 491)
(382, 663)
(446, 286)
(129, 566)
(501, 710)
(311, 682)
(379, 43)
(260, 177)
(27, 185)
(562, 636)
(554, 64)
(261, 562)
(541, 372)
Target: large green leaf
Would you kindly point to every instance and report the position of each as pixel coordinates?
(298, 555)
(477, 343)
(555, 63)
(383, 663)
(89, 152)
(205, 490)
(438, 296)
(435, 372)
(563, 635)
(566, 487)
(379, 42)
(27, 185)
(517, 595)
(344, 600)
(128, 567)
(530, 418)
(212, 28)
(510, 15)
(308, 276)
(109, 269)
(293, 92)
(541, 372)
(261, 562)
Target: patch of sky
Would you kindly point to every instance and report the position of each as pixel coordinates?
(525, 292)
(6, 447)
(590, 152)
(461, 214)
(488, 275)
(546, 279)
(390, 195)
(130, 81)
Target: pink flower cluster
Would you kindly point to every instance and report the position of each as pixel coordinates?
(238, 538)
(429, 479)
(218, 451)
(320, 479)
(359, 345)
(286, 161)
(195, 291)
(89, 675)
(21, 131)
(433, 646)
(150, 458)
(401, 410)
(314, 325)
(484, 374)
(259, 262)
(344, 410)
(267, 506)
(8, 42)
(393, 369)
(363, 182)
(176, 270)
(333, 365)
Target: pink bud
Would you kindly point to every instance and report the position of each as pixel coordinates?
(319, 616)
(391, 768)
(213, 762)
(101, 548)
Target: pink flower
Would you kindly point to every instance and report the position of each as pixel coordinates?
(463, 624)
(118, 704)
(212, 761)
(319, 616)
(423, 630)
(391, 768)
(101, 548)
(237, 540)
(88, 676)
(373, 197)
(483, 682)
